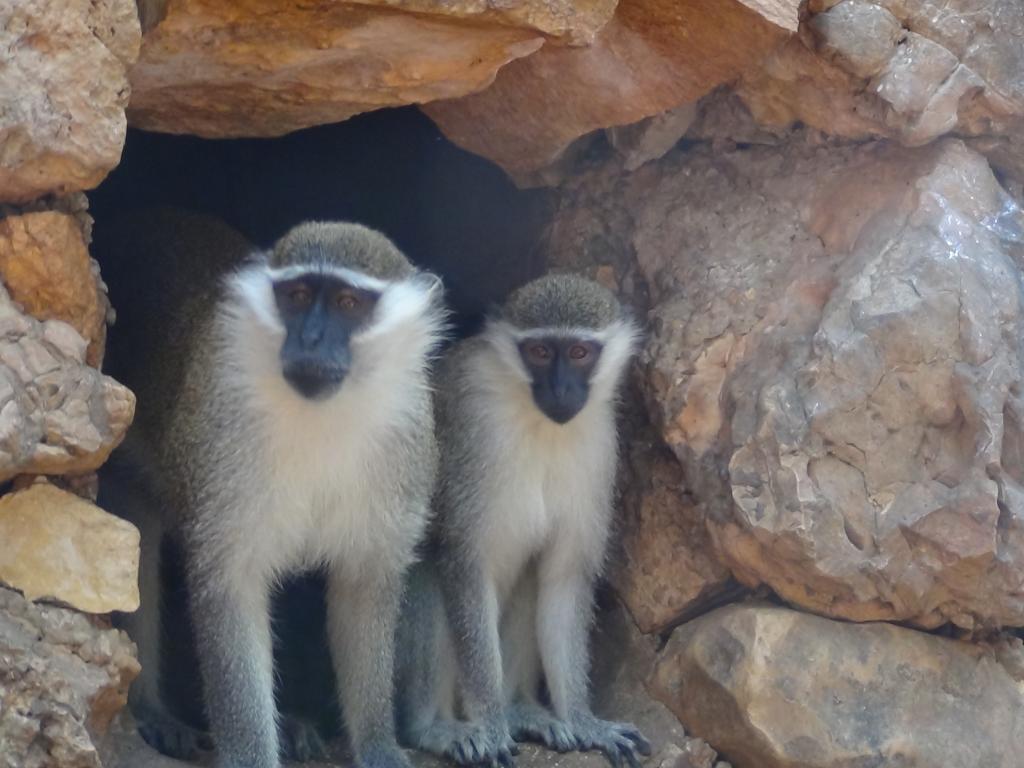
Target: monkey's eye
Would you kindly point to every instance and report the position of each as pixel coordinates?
(578, 352)
(300, 295)
(347, 300)
(538, 353)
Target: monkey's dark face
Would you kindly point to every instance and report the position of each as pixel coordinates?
(320, 313)
(560, 369)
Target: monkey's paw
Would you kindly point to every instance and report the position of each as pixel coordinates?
(382, 755)
(486, 742)
(300, 740)
(168, 735)
(528, 721)
(618, 741)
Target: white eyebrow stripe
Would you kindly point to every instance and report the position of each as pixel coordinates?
(562, 332)
(350, 276)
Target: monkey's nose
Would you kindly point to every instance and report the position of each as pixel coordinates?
(314, 381)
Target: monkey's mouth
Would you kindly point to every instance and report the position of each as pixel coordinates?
(314, 381)
(561, 412)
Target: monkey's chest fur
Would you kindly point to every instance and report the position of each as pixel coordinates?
(304, 486)
(549, 496)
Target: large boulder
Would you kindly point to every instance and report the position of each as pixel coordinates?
(216, 68)
(64, 677)
(834, 358)
(774, 688)
(64, 88)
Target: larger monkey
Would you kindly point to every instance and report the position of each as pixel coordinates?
(285, 422)
(526, 426)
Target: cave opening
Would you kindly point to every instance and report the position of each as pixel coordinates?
(450, 211)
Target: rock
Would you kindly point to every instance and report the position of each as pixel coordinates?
(652, 137)
(833, 357)
(214, 68)
(45, 265)
(653, 56)
(63, 678)
(64, 87)
(667, 569)
(59, 547)
(773, 688)
(57, 415)
(912, 70)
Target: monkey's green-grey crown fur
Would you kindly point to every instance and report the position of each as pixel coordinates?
(567, 301)
(338, 244)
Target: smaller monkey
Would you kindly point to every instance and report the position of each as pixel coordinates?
(285, 424)
(527, 434)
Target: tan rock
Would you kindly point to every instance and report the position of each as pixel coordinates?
(653, 56)
(773, 688)
(64, 87)
(215, 68)
(59, 547)
(667, 567)
(57, 414)
(46, 267)
(909, 69)
(65, 676)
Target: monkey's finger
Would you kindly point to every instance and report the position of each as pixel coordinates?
(514, 749)
(643, 746)
(505, 759)
(613, 755)
(627, 752)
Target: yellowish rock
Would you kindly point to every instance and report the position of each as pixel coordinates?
(216, 68)
(57, 546)
(46, 267)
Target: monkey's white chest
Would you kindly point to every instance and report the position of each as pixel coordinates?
(550, 491)
(319, 501)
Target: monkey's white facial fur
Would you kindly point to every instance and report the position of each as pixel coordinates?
(393, 339)
(563, 394)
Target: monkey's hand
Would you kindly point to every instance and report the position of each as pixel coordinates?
(168, 735)
(529, 721)
(485, 742)
(300, 740)
(383, 754)
(618, 741)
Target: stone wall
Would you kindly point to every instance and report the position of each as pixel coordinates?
(813, 206)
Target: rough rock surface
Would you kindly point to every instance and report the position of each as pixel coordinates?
(59, 547)
(910, 69)
(834, 357)
(666, 568)
(653, 56)
(64, 88)
(216, 68)
(45, 265)
(773, 688)
(63, 678)
(57, 415)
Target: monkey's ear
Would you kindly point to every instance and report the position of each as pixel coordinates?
(257, 257)
(431, 283)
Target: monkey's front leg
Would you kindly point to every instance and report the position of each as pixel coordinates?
(471, 605)
(565, 611)
(362, 616)
(232, 624)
